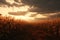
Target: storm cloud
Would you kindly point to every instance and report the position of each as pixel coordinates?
(43, 5)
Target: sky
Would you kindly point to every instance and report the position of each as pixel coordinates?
(39, 5)
(45, 6)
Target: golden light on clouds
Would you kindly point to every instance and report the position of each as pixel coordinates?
(12, 2)
(4, 10)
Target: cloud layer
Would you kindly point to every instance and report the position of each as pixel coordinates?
(44, 5)
(39, 5)
(10, 2)
(2, 2)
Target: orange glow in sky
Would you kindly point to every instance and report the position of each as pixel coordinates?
(28, 15)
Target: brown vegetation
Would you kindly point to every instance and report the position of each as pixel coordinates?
(11, 29)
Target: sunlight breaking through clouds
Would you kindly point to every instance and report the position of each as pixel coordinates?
(28, 15)
(13, 1)
(5, 11)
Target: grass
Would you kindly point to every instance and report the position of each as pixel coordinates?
(11, 29)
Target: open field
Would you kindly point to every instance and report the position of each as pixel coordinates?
(11, 29)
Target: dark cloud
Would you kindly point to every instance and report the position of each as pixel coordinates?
(3, 1)
(55, 16)
(44, 5)
(39, 5)
(17, 1)
(8, 4)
